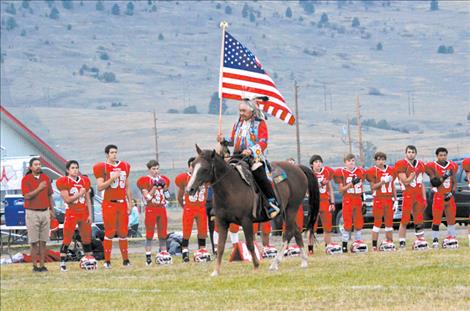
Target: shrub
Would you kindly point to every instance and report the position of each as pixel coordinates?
(99, 5)
(190, 110)
(228, 10)
(130, 9)
(11, 23)
(288, 12)
(54, 14)
(11, 9)
(115, 9)
(107, 77)
(355, 22)
(67, 4)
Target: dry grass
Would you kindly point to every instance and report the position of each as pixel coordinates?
(387, 281)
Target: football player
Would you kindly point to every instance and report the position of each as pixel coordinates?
(154, 189)
(75, 191)
(324, 176)
(442, 174)
(410, 173)
(381, 177)
(112, 177)
(466, 168)
(194, 208)
(350, 180)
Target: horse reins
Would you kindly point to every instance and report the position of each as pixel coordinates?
(226, 173)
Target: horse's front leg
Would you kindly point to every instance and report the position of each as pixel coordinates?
(300, 242)
(248, 231)
(223, 228)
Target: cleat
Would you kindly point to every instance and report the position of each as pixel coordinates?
(185, 255)
(402, 244)
(107, 265)
(126, 263)
(36, 269)
(43, 269)
(63, 268)
(435, 243)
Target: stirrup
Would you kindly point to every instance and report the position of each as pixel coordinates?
(273, 210)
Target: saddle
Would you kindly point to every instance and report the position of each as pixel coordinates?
(260, 204)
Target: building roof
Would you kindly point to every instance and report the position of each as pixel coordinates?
(49, 156)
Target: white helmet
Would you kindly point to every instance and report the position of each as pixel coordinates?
(420, 244)
(164, 258)
(88, 263)
(202, 255)
(269, 252)
(387, 246)
(333, 249)
(450, 242)
(292, 251)
(359, 246)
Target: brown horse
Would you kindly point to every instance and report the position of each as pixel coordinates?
(233, 201)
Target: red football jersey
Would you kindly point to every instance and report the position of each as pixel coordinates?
(117, 190)
(344, 176)
(434, 169)
(375, 175)
(466, 164)
(147, 182)
(323, 177)
(198, 199)
(404, 166)
(73, 186)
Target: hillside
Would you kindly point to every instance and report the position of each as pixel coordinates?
(166, 55)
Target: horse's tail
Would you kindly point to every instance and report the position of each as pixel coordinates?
(314, 197)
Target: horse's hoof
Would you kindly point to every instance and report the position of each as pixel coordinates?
(214, 274)
(304, 264)
(273, 267)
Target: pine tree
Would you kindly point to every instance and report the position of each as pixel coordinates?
(54, 14)
(288, 12)
(99, 5)
(130, 9)
(115, 9)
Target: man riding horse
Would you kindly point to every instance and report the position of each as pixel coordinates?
(249, 138)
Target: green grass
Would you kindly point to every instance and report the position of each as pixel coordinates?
(391, 281)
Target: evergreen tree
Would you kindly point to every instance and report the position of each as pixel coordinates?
(130, 9)
(99, 5)
(54, 13)
(115, 9)
(288, 12)
(11, 9)
(67, 4)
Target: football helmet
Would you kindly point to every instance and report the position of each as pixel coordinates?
(269, 252)
(202, 255)
(88, 263)
(359, 246)
(387, 246)
(164, 258)
(450, 242)
(333, 249)
(420, 244)
(292, 251)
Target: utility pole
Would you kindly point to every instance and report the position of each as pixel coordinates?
(409, 104)
(349, 136)
(155, 133)
(331, 101)
(359, 128)
(297, 120)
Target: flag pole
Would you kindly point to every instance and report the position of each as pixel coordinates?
(223, 25)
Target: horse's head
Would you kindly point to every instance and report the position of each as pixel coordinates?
(203, 170)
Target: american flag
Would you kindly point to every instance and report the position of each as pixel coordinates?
(243, 77)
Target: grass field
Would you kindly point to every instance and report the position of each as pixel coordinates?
(387, 281)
